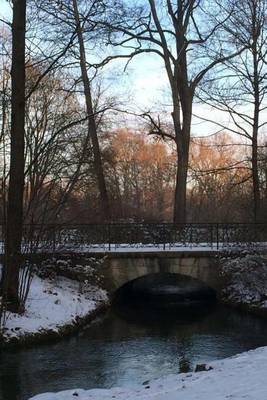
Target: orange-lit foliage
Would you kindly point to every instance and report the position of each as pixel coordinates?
(141, 176)
(219, 178)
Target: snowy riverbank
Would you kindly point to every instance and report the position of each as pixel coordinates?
(240, 377)
(246, 283)
(54, 307)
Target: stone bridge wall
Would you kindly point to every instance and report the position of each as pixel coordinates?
(120, 268)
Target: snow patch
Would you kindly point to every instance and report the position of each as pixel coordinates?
(53, 304)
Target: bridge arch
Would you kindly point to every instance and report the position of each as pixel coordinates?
(121, 268)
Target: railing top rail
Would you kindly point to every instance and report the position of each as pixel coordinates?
(71, 224)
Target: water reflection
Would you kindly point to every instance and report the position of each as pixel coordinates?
(129, 346)
(10, 380)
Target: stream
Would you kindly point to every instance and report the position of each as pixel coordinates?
(128, 346)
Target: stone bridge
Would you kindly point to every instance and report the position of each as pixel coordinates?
(121, 268)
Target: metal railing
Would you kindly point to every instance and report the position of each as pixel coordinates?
(55, 238)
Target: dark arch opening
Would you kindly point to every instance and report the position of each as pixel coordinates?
(166, 290)
(164, 299)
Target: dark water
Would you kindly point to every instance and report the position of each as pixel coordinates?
(126, 347)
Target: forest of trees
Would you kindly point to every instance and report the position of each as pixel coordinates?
(75, 149)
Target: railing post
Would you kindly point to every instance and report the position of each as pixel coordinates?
(217, 235)
(109, 238)
(54, 239)
(211, 236)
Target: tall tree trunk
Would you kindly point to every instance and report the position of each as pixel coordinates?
(181, 183)
(255, 169)
(182, 101)
(14, 223)
(255, 182)
(91, 118)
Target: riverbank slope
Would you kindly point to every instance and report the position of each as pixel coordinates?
(239, 377)
(54, 307)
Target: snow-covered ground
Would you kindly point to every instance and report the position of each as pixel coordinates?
(242, 377)
(51, 305)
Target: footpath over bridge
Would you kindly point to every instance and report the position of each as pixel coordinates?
(142, 237)
(139, 249)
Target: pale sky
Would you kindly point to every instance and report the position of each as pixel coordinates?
(147, 86)
(4, 8)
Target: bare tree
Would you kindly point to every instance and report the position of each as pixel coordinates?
(240, 89)
(185, 35)
(92, 128)
(14, 221)
(219, 176)
(53, 119)
(5, 94)
(72, 20)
